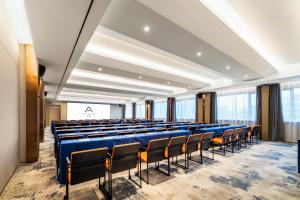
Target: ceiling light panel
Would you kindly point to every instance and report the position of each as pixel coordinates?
(108, 46)
(97, 92)
(84, 82)
(124, 80)
(82, 99)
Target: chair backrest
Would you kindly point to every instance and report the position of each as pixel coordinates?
(150, 126)
(97, 135)
(257, 129)
(124, 157)
(235, 132)
(66, 131)
(107, 129)
(125, 133)
(69, 137)
(206, 140)
(175, 146)
(224, 124)
(212, 125)
(121, 127)
(141, 131)
(245, 131)
(160, 129)
(87, 130)
(87, 165)
(156, 149)
(172, 128)
(227, 135)
(192, 143)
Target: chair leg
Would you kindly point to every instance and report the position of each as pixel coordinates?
(140, 173)
(103, 189)
(185, 161)
(66, 197)
(213, 151)
(188, 161)
(168, 166)
(147, 173)
(201, 155)
(224, 150)
(110, 184)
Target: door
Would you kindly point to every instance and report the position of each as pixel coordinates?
(54, 112)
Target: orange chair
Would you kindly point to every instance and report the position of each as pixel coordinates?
(191, 145)
(223, 141)
(85, 166)
(206, 144)
(154, 152)
(174, 149)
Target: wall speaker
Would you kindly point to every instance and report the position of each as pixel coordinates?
(42, 70)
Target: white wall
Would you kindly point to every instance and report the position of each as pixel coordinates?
(115, 112)
(9, 100)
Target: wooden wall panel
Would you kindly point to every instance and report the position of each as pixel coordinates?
(207, 108)
(203, 111)
(41, 109)
(32, 108)
(64, 111)
(200, 110)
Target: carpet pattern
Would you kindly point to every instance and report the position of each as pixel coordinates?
(267, 170)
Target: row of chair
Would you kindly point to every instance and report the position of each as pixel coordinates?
(98, 135)
(95, 164)
(237, 137)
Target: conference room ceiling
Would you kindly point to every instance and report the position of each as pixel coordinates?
(155, 49)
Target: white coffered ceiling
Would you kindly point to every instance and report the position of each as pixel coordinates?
(123, 51)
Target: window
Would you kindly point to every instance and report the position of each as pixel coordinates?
(290, 98)
(128, 111)
(160, 109)
(140, 110)
(237, 107)
(186, 108)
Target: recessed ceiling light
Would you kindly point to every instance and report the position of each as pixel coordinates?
(227, 67)
(140, 77)
(246, 76)
(168, 83)
(146, 29)
(199, 53)
(99, 69)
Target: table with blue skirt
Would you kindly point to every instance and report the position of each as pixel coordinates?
(69, 146)
(109, 133)
(217, 130)
(95, 129)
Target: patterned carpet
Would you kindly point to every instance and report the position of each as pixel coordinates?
(264, 171)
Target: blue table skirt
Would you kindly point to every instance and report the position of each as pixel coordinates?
(69, 146)
(217, 130)
(56, 132)
(109, 133)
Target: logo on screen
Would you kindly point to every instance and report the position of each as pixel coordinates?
(88, 109)
(89, 112)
